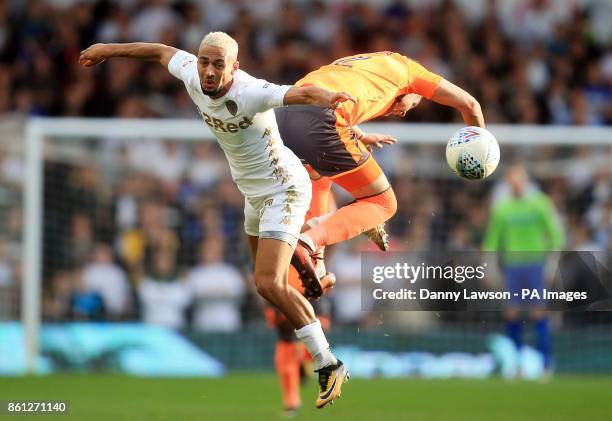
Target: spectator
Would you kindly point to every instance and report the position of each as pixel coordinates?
(207, 168)
(69, 300)
(218, 289)
(39, 44)
(164, 296)
(85, 304)
(79, 241)
(107, 279)
(156, 17)
(347, 292)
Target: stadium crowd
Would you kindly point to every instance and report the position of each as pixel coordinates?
(147, 228)
(528, 61)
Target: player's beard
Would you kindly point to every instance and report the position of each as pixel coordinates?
(218, 86)
(211, 92)
(217, 92)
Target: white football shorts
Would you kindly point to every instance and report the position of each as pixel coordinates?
(280, 215)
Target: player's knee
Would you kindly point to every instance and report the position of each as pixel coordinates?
(386, 203)
(391, 202)
(268, 284)
(265, 288)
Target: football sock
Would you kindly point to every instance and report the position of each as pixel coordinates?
(320, 204)
(316, 221)
(314, 339)
(287, 361)
(543, 340)
(351, 220)
(321, 190)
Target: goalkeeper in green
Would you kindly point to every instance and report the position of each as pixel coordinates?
(523, 228)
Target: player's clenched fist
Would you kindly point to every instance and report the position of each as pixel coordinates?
(93, 55)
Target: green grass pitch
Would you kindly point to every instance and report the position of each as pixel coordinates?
(255, 396)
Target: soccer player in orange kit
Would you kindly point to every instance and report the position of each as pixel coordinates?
(335, 150)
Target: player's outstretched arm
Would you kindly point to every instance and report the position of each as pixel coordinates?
(313, 95)
(97, 53)
(453, 96)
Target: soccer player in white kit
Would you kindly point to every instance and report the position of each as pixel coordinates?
(238, 109)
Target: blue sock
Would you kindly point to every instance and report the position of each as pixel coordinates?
(544, 341)
(515, 332)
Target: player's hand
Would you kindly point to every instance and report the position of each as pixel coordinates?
(93, 55)
(338, 98)
(378, 140)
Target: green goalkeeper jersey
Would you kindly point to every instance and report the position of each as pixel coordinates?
(526, 224)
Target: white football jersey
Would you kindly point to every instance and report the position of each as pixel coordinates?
(243, 122)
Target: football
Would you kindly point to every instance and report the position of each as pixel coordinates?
(472, 153)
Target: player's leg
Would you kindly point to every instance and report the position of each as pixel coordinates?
(543, 336)
(535, 280)
(271, 270)
(512, 314)
(514, 326)
(321, 194)
(279, 226)
(321, 206)
(287, 364)
(374, 204)
(289, 354)
(272, 258)
(287, 361)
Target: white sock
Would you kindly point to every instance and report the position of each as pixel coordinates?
(313, 337)
(306, 239)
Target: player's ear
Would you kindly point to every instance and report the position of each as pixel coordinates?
(235, 66)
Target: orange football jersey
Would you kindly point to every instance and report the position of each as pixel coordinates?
(375, 80)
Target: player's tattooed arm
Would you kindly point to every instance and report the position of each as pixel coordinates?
(313, 95)
(453, 96)
(97, 53)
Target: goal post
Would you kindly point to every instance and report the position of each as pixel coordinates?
(32, 244)
(37, 130)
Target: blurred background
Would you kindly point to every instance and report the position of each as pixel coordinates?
(149, 231)
(527, 61)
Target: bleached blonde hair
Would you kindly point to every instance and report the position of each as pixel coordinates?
(221, 40)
